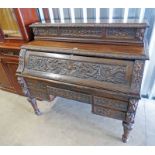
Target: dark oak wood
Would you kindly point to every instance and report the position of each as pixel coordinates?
(108, 77)
(130, 32)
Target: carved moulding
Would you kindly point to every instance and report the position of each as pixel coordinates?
(98, 33)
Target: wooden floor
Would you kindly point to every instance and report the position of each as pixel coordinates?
(66, 122)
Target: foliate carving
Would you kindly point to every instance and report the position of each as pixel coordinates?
(140, 34)
(21, 60)
(108, 112)
(69, 94)
(137, 75)
(84, 70)
(70, 31)
(92, 32)
(130, 115)
(100, 33)
(129, 119)
(45, 31)
(116, 104)
(125, 33)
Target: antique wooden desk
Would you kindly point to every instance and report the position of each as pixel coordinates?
(100, 64)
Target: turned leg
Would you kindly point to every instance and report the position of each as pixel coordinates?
(26, 92)
(34, 105)
(51, 97)
(129, 120)
(127, 128)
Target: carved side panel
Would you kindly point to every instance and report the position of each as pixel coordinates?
(21, 60)
(80, 69)
(91, 32)
(115, 104)
(69, 94)
(137, 76)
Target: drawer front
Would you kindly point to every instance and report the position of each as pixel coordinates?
(37, 89)
(93, 72)
(69, 94)
(99, 110)
(43, 89)
(110, 103)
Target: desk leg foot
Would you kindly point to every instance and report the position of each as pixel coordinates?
(34, 105)
(51, 97)
(127, 128)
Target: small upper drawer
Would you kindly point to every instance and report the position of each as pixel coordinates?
(88, 71)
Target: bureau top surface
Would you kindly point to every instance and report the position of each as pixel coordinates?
(99, 50)
(102, 23)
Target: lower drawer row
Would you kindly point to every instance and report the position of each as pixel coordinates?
(100, 104)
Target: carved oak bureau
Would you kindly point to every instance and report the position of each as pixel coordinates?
(101, 64)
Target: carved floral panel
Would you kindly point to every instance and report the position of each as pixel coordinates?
(79, 69)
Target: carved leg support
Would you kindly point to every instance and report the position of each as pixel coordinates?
(29, 97)
(51, 97)
(34, 105)
(127, 128)
(129, 120)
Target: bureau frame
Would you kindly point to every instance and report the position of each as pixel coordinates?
(107, 76)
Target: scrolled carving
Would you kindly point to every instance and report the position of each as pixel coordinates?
(137, 75)
(84, 70)
(123, 33)
(45, 31)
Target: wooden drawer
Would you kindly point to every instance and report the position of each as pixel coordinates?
(69, 94)
(43, 89)
(37, 89)
(110, 103)
(100, 110)
(87, 71)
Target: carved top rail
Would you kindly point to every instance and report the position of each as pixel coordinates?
(117, 32)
